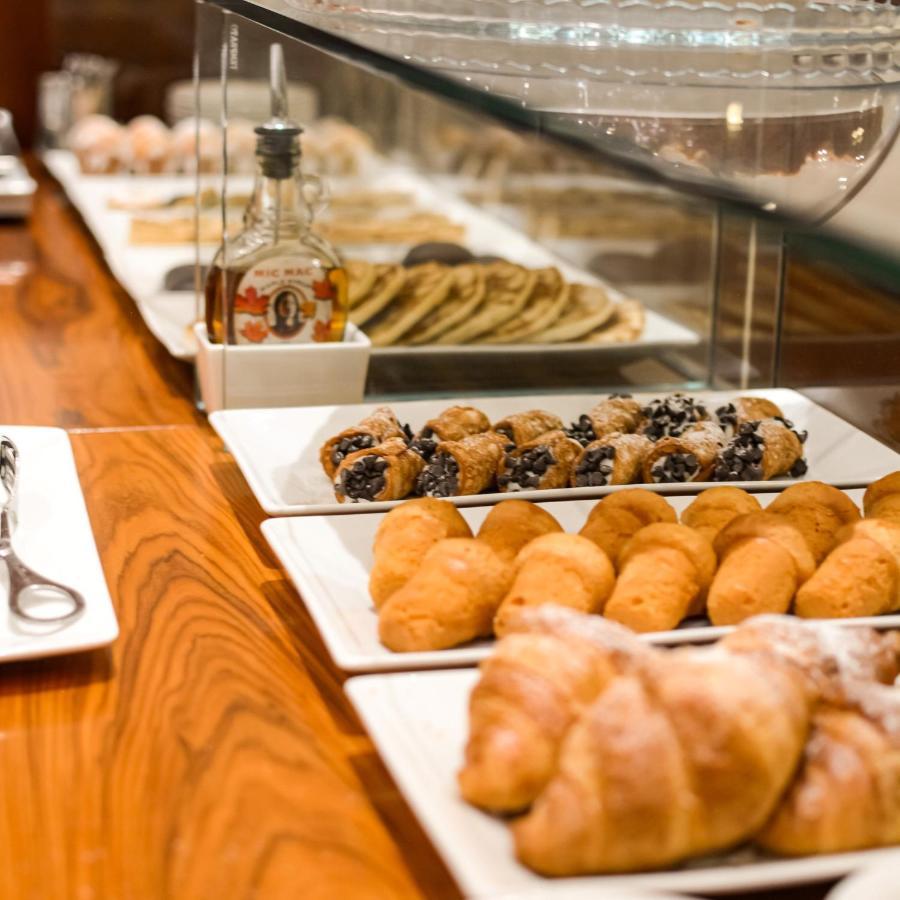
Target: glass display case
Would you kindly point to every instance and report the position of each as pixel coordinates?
(612, 196)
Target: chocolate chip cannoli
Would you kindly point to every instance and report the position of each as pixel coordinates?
(452, 424)
(374, 429)
(385, 472)
(523, 427)
(689, 457)
(539, 465)
(617, 413)
(762, 450)
(614, 459)
(671, 416)
(459, 468)
(745, 409)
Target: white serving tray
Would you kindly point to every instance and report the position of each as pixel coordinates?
(141, 268)
(54, 537)
(419, 723)
(329, 559)
(278, 449)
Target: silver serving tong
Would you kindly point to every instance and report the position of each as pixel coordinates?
(25, 583)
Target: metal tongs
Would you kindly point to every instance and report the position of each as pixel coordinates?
(29, 593)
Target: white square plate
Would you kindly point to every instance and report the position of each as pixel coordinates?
(278, 449)
(329, 559)
(54, 537)
(419, 724)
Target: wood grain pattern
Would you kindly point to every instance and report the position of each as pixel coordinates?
(199, 758)
(74, 351)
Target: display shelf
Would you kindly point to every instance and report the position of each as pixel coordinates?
(784, 109)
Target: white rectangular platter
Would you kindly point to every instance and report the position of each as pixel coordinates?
(418, 722)
(54, 537)
(329, 558)
(278, 449)
(141, 268)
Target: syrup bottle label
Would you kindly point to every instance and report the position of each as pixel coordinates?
(284, 301)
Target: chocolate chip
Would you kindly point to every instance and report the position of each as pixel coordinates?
(582, 431)
(440, 478)
(526, 469)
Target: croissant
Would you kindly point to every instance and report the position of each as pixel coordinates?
(818, 511)
(715, 507)
(690, 758)
(546, 672)
(512, 524)
(664, 570)
(831, 659)
(882, 498)
(860, 577)
(404, 536)
(616, 518)
(565, 569)
(763, 560)
(542, 674)
(450, 599)
(846, 794)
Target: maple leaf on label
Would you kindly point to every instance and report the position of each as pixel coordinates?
(323, 290)
(251, 302)
(308, 309)
(255, 332)
(322, 331)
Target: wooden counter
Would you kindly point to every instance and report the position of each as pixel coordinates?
(210, 753)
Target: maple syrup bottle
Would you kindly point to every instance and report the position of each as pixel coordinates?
(276, 282)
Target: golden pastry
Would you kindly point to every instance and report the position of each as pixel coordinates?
(715, 507)
(564, 569)
(449, 600)
(544, 463)
(663, 571)
(512, 524)
(380, 425)
(763, 560)
(403, 538)
(386, 472)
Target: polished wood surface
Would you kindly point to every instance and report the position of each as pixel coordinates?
(210, 752)
(74, 350)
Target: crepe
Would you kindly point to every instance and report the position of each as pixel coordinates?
(507, 292)
(466, 294)
(361, 277)
(588, 309)
(545, 303)
(627, 325)
(425, 288)
(388, 281)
